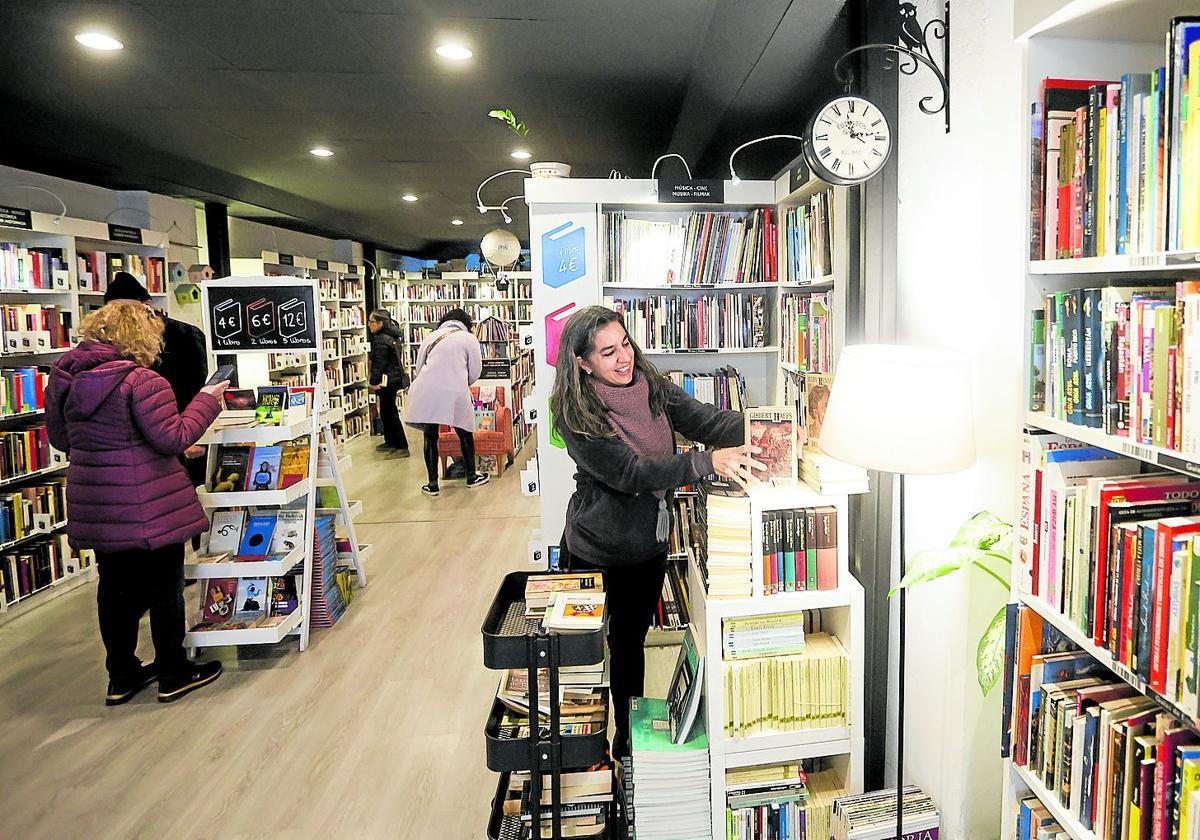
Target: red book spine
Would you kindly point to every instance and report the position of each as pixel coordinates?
(1128, 593)
(1037, 530)
(1164, 535)
(1172, 359)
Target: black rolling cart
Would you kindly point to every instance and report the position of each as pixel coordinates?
(512, 641)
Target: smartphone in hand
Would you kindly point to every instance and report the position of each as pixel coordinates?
(222, 374)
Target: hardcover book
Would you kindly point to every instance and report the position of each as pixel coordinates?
(232, 464)
(269, 411)
(773, 430)
(264, 468)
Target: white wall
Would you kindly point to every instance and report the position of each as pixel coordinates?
(248, 239)
(961, 229)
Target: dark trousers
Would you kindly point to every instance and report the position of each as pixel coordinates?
(466, 440)
(631, 598)
(389, 416)
(132, 582)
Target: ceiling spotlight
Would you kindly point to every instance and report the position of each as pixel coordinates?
(454, 52)
(99, 41)
(520, 154)
(320, 151)
(456, 222)
(408, 197)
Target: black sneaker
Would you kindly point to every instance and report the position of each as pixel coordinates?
(478, 479)
(384, 447)
(197, 676)
(122, 692)
(430, 489)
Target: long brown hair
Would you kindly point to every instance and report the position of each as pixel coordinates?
(574, 401)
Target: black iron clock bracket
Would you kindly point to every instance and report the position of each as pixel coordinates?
(913, 50)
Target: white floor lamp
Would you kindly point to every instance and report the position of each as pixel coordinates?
(907, 411)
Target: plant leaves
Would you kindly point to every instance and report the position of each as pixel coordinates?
(985, 531)
(935, 563)
(989, 656)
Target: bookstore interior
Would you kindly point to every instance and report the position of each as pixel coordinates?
(876, 394)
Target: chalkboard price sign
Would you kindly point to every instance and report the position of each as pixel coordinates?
(261, 317)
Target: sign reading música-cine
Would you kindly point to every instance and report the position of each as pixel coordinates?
(260, 314)
(671, 191)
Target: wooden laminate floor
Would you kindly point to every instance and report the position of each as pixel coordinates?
(374, 731)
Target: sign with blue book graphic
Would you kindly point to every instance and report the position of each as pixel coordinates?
(563, 259)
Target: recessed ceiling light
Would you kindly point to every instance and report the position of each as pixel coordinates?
(454, 52)
(320, 151)
(456, 222)
(99, 41)
(409, 197)
(520, 154)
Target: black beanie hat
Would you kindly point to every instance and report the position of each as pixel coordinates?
(124, 286)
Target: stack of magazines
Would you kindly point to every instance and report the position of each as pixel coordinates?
(872, 816)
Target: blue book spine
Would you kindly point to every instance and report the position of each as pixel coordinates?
(1122, 166)
(1093, 360)
(1023, 823)
(1087, 795)
(29, 398)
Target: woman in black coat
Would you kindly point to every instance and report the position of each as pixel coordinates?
(618, 418)
(387, 379)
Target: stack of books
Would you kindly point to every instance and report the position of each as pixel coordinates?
(578, 703)
(728, 541)
(328, 605)
(809, 690)
(778, 634)
(780, 801)
(872, 816)
(574, 612)
(670, 781)
(831, 477)
(586, 796)
(539, 588)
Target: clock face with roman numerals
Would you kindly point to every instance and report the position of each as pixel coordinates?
(849, 141)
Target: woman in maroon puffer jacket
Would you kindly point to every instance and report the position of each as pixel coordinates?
(128, 497)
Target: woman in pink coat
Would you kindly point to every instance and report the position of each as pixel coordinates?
(448, 363)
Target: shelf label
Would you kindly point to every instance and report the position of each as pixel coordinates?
(124, 233)
(322, 265)
(496, 369)
(287, 259)
(1173, 462)
(672, 191)
(352, 269)
(16, 217)
(797, 173)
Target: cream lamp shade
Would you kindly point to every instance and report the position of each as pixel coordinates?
(901, 410)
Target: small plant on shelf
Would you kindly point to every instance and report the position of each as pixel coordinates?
(983, 542)
(506, 116)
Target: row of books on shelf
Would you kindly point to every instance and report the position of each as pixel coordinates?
(34, 566)
(806, 332)
(97, 268)
(1122, 359)
(585, 795)
(788, 693)
(703, 248)
(33, 328)
(799, 549)
(672, 611)
(1111, 549)
(807, 240)
(780, 802)
(725, 388)
(241, 603)
(23, 268)
(237, 535)
(27, 451)
(1105, 753)
(776, 634)
(449, 291)
(719, 321)
(494, 330)
(22, 390)
(239, 467)
(36, 508)
(1116, 163)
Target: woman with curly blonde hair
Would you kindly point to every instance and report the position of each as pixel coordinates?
(129, 498)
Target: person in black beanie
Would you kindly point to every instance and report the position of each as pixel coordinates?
(183, 362)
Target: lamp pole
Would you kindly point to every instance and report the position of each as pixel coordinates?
(900, 683)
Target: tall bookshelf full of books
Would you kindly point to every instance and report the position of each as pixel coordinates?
(54, 270)
(343, 361)
(1101, 720)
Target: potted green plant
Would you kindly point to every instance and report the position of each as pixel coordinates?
(984, 542)
(541, 169)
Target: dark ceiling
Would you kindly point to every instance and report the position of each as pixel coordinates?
(222, 99)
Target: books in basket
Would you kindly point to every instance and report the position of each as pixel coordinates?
(539, 588)
(773, 430)
(572, 612)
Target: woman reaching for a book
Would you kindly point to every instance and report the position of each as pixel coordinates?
(618, 417)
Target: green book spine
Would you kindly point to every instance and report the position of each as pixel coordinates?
(789, 550)
(810, 549)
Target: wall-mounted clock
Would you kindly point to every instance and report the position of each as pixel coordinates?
(848, 141)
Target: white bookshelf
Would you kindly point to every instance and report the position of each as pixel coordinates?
(1089, 41)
